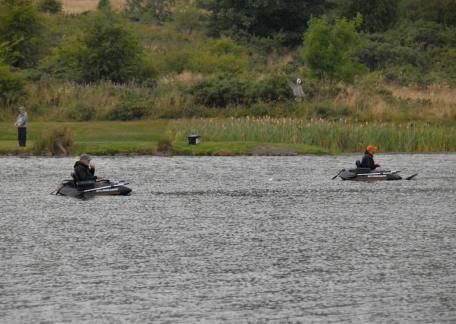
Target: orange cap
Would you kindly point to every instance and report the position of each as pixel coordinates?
(372, 148)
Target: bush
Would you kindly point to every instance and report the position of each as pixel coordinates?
(328, 111)
(82, 112)
(165, 145)
(379, 53)
(402, 74)
(104, 5)
(188, 20)
(157, 11)
(378, 15)
(220, 55)
(51, 6)
(12, 86)
(228, 89)
(270, 89)
(57, 141)
(131, 108)
(221, 91)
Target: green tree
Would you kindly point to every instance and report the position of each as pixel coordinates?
(157, 11)
(263, 18)
(105, 49)
(104, 5)
(20, 28)
(109, 51)
(12, 86)
(378, 15)
(51, 6)
(329, 49)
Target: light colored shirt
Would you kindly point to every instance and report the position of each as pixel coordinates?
(22, 119)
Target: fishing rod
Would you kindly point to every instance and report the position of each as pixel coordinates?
(106, 187)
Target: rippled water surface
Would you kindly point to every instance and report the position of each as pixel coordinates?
(245, 239)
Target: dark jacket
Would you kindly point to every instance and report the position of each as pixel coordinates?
(83, 173)
(368, 161)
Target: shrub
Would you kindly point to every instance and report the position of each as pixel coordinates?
(378, 15)
(328, 111)
(221, 91)
(402, 74)
(51, 6)
(220, 55)
(82, 112)
(270, 89)
(104, 5)
(165, 145)
(157, 11)
(379, 53)
(57, 141)
(130, 108)
(228, 89)
(12, 86)
(189, 19)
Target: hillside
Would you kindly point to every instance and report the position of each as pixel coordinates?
(101, 61)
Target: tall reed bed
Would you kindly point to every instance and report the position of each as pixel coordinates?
(334, 136)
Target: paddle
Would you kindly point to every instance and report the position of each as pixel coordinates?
(338, 174)
(411, 177)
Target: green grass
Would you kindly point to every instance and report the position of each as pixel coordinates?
(244, 136)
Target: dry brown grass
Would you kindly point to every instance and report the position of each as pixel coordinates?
(437, 94)
(433, 103)
(79, 6)
(184, 77)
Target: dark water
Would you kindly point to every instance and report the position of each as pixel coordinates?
(248, 239)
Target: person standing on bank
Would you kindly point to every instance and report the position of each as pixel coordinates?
(21, 124)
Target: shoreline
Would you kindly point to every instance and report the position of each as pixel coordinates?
(221, 154)
(226, 137)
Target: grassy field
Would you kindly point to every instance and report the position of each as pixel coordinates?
(245, 136)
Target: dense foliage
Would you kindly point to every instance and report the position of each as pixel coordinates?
(378, 15)
(157, 11)
(11, 86)
(104, 50)
(227, 90)
(328, 49)
(262, 18)
(50, 6)
(21, 29)
(183, 58)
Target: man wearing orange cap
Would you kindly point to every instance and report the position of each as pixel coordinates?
(368, 158)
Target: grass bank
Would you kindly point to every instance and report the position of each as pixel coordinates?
(241, 136)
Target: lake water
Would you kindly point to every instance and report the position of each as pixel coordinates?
(229, 239)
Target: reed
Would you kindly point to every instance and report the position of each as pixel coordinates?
(334, 136)
(234, 136)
